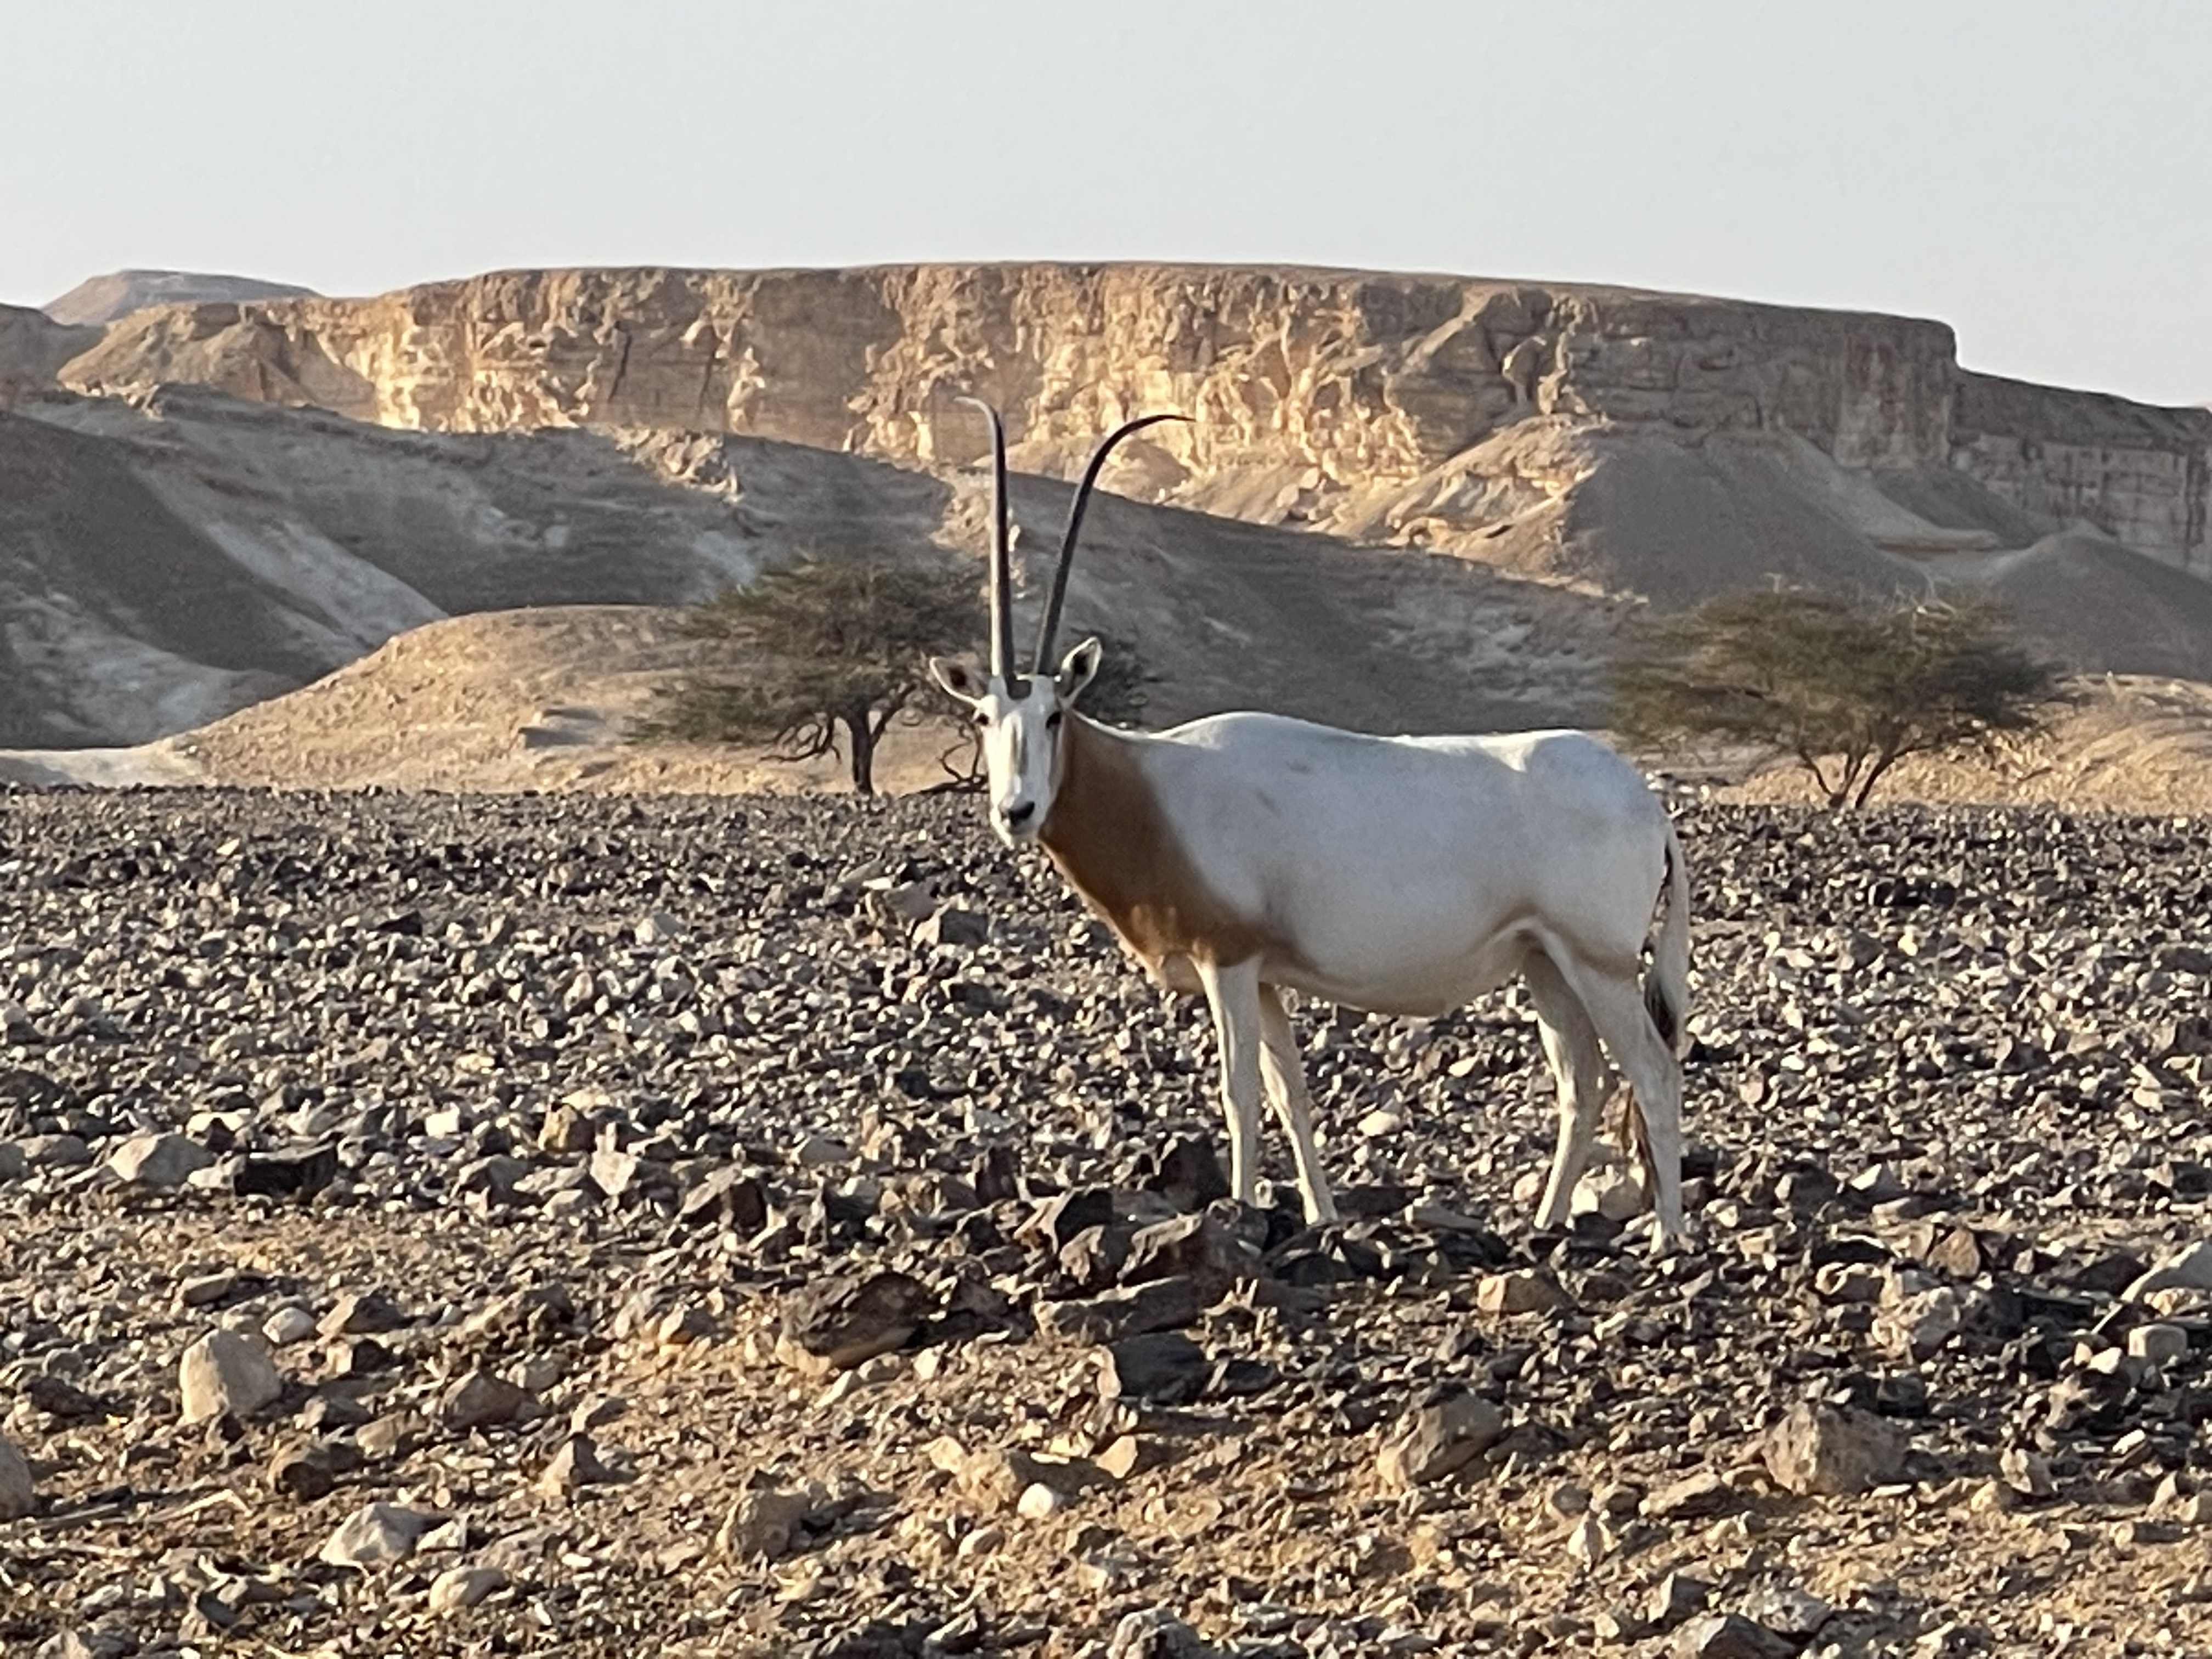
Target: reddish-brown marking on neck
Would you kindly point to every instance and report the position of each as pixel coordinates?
(1108, 837)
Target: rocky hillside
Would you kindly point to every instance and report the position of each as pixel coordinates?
(241, 495)
(32, 349)
(166, 560)
(163, 564)
(1397, 407)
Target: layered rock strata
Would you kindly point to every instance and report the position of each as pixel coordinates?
(2136, 472)
(1319, 397)
(1353, 377)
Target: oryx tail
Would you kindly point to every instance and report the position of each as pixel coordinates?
(1667, 985)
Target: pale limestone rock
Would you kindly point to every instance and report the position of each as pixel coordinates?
(2189, 1268)
(1819, 1450)
(1589, 1542)
(1610, 1192)
(2146, 488)
(458, 1587)
(997, 1476)
(1433, 411)
(1443, 361)
(289, 1324)
(2194, 1509)
(2161, 1345)
(1129, 1455)
(1040, 1502)
(158, 1160)
(614, 1172)
(226, 1374)
(1916, 1324)
(763, 1522)
(375, 1536)
(1523, 1291)
(1435, 1440)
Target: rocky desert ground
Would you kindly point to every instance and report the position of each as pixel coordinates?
(450, 1225)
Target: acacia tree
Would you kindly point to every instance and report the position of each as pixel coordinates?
(830, 651)
(1845, 687)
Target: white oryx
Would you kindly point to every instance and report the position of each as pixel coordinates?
(1245, 855)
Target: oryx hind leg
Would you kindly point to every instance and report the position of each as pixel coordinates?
(1578, 1071)
(1285, 1074)
(1616, 1005)
(1233, 993)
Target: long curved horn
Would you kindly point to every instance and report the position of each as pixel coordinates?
(1051, 624)
(1002, 570)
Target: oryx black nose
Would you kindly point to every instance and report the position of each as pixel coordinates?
(1020, 814)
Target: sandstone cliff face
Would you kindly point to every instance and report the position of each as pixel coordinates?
(2139, 473)
(1438, 412)
(1307, 386)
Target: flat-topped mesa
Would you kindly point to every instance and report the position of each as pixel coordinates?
(2136, 472)
(1321, 397)
(101, 300)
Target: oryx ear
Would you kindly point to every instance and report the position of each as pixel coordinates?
(1078, 669)
(958, 679)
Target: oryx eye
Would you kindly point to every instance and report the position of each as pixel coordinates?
(982, 721)
(1052, 721)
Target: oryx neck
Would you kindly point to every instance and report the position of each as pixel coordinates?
(1100, 792)
(1113, 833)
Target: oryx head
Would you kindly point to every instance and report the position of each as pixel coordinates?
(1021, 716)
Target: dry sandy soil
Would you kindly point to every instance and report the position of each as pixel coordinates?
(542, 699)
(2131, 744)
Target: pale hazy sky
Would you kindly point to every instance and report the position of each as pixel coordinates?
(2038, 175)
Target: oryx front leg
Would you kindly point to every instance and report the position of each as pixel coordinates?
(1233, 993)
(1286, 1077)
(1578, 1069)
